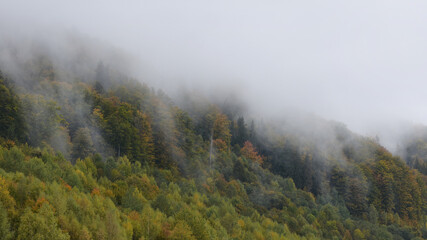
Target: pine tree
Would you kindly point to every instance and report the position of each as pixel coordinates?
(82, 144)
(11, 116)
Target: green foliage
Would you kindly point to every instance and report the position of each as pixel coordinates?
(44, 117)
(415, 150)
(12, 124)
(40, 225)
(126, 128)
(133, 199)
(82, 144)
(5, 232)
(123, 205)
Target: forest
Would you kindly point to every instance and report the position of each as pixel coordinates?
(105, 156)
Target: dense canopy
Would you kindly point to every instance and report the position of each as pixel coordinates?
(110, 158)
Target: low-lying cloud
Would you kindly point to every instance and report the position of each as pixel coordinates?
(362, 63)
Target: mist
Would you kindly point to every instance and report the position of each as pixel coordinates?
(361, 63)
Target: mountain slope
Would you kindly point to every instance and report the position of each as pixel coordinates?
(106, 157)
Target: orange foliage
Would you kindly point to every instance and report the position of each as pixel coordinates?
(95, 191)
(220, 145)
(249, 152)
(207, 187)
(9, 144)
(39, 203)
(65, 185)
(134, 216)
(166, 230)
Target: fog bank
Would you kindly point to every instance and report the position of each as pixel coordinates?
(361, 63)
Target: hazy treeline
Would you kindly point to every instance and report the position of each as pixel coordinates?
(100, 155)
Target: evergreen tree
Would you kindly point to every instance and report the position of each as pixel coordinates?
(82, 144)
(11, 116)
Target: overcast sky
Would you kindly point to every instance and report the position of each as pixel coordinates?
(360, 62)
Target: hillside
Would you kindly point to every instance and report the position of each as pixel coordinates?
(104, 156)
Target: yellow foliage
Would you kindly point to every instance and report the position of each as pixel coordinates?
(241, 223)
(258, 235)
(197, 201)
(267, 223)
(274, 235)
(5, 198)
(98, 114)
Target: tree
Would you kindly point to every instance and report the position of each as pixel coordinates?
(126, 128)
(347, 235)
(112, 225)
(240, 132)
(182, 231)
(40, 225)
(249, 152)
(373, 214)
(5, 232)
(355, 197)
(82, 144)
(221, 128)
(44, 117)
(339, 180)
(358, 235)
(11, 116)
(133, 199)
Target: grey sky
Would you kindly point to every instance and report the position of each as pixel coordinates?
(360, 62)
